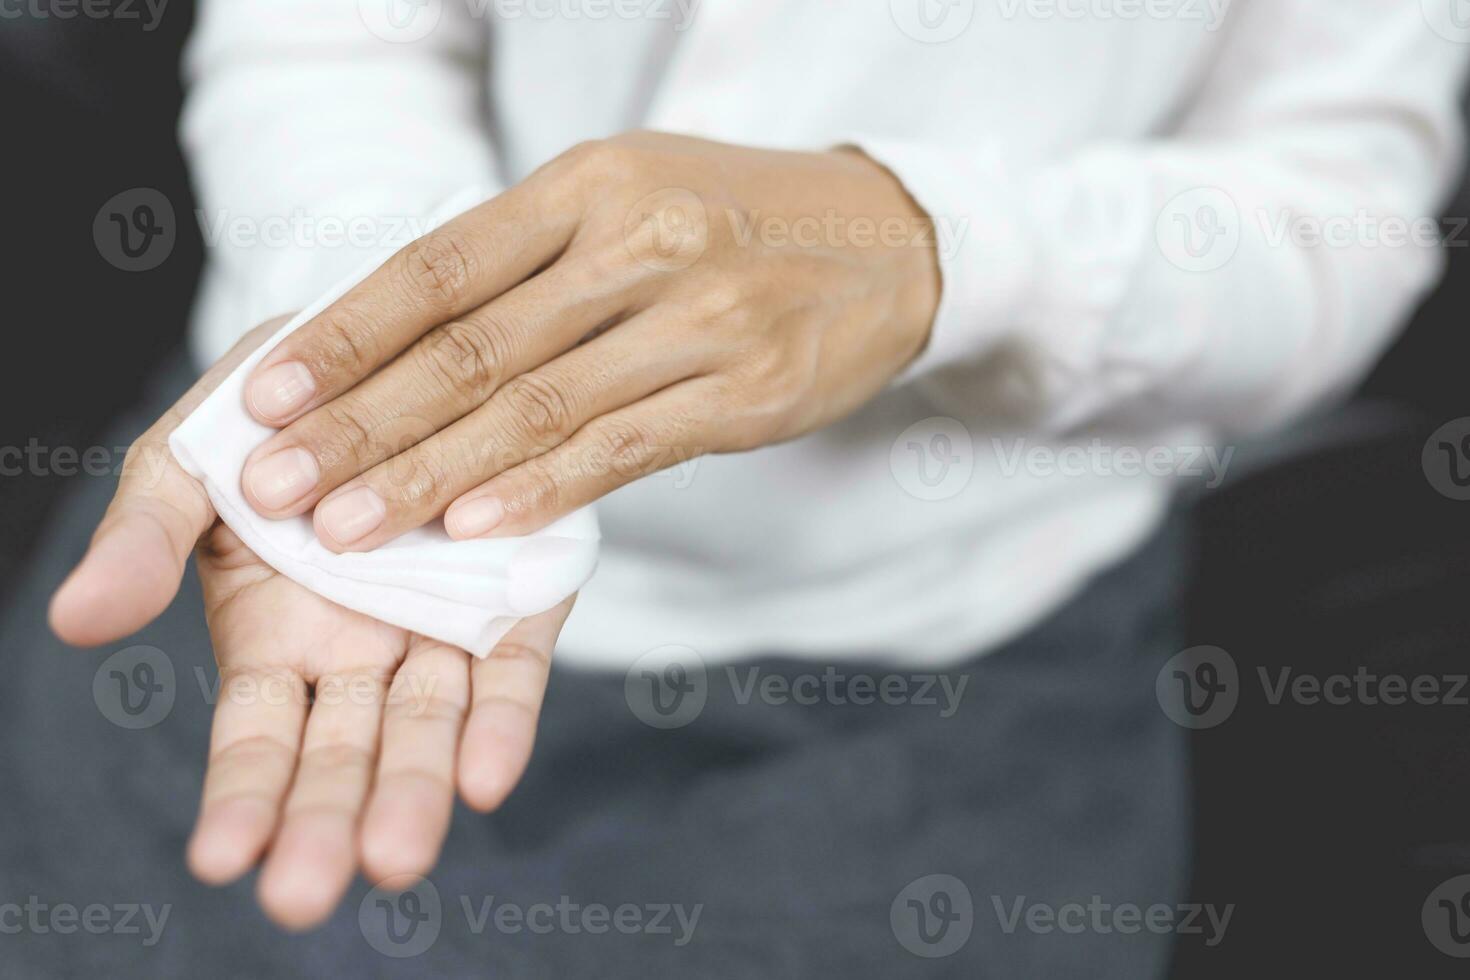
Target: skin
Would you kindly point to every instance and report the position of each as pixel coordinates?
(364, 775)
(634, 303)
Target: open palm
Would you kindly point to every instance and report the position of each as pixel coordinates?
(338, 740)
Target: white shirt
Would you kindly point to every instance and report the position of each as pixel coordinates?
(1085, 348)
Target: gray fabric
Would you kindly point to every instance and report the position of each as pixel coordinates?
(795, 828)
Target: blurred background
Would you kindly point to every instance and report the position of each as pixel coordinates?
(1328, 550)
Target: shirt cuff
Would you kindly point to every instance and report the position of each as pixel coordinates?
(986, 256)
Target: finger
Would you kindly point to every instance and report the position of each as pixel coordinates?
(253, 748)
(315, 854)
(442, 275)
(451, 371)
(137, 556)
(508, 688)
(668, 428)
(413, 795)
(529, 415)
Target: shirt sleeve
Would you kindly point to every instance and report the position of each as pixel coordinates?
(1254, 259)
(318, 135)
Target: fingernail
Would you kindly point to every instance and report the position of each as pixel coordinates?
(352, 515)
(281, 479)
(280, 390)
(474, 517)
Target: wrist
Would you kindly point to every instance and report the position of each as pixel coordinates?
(906, 254)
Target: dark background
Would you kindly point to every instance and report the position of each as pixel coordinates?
(1326, 826)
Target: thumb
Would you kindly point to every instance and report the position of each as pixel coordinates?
(132, 569)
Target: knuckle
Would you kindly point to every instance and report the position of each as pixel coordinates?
(599, 159)
(721, 301)
(758, 428)
(335, 757)
(628, 447)
(608, 259)
(540, 407)
(769, 392)
(426, 707)
(253, 751)
(515, 702)
(466, 358)
(342, 436)
(779, 384)
(423, 482)
(668, 230)
(441, 266)
(582, 154)
(540, 493)
(517, 652)
(339, 343)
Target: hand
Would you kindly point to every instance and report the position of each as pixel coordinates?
(632, 304)
(364, 767)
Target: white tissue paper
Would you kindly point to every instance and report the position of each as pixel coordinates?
(465, 593)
